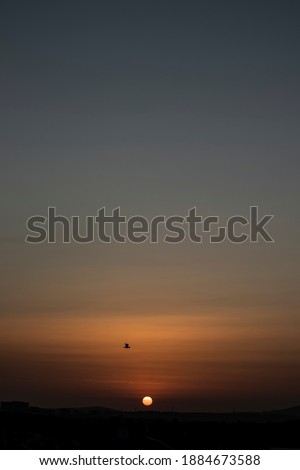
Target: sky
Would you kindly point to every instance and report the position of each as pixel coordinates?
(154, 107)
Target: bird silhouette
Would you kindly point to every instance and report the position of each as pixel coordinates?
(126, 346)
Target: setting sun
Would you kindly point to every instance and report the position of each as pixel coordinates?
(147, 401)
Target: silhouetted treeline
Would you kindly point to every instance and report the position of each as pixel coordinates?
(143, 430)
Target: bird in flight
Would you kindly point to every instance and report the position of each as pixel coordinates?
(126, 346)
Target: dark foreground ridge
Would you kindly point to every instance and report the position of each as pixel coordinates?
(25, 427)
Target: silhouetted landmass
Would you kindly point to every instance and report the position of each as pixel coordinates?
(24, 427)
(295, 411)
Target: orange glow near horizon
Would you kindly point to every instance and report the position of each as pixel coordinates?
(175, 358)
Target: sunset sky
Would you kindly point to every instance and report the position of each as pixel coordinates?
(156, 107)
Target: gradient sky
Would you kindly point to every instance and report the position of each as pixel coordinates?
(155, 107)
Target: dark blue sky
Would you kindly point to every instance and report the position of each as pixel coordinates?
(116, 96)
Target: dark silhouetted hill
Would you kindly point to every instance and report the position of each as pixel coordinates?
(23, 427)
(292, 412)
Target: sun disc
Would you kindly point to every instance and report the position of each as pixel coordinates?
(147, 401)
